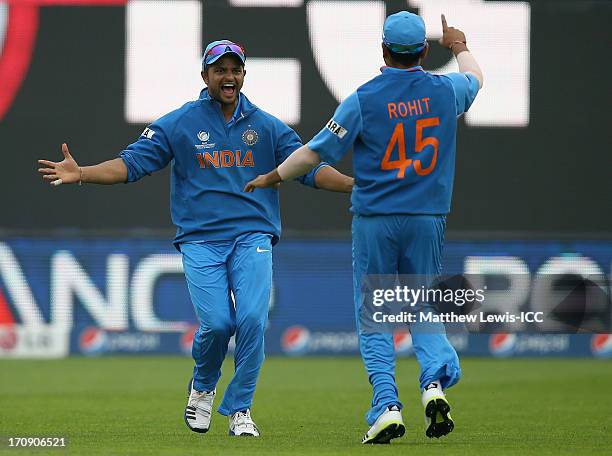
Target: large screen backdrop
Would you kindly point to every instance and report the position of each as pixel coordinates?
(533, 152)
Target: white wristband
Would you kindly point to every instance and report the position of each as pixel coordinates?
(467, 64)
(298, 163)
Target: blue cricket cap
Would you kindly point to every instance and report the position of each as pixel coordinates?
(404, 33)
(217, 49)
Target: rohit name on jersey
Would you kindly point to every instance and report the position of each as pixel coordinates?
(225, 159)
(408, 108)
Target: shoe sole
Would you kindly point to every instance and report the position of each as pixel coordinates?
(441, 423)
(389, 432)
(241, 435)
(199, 431)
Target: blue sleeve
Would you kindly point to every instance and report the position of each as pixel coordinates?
(338, 136)
(150, 153)
(309, 179)
(288, 142)
(466, 88)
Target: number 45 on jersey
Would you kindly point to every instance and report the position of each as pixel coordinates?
(398, 139)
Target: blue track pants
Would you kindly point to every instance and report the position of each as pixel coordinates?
(215, 270)
(400, 244)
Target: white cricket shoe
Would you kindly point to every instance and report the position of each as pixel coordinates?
(241, 423)
(199, 409)
(437, 411)
(388, 426)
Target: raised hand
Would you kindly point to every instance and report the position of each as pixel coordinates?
(450, 35)
(65, 172)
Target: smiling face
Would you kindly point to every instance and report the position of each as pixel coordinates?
(224, 79)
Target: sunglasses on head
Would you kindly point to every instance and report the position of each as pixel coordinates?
(222, 48)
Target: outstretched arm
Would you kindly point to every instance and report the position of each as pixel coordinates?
(297, 164)
(69, 172)
(330, 179)
(332, 143)
(314, 173)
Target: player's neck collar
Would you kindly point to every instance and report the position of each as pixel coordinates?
(394, 69)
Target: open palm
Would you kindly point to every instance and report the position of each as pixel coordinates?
(65, 172)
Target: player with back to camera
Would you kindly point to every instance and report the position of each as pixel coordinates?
(399, 205)
(225, 236)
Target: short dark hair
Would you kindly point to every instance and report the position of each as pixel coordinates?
(406, 60)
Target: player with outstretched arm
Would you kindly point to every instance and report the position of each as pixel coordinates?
(225, 236)
(402, 128)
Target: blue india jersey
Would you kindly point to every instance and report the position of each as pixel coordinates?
(211, 162)
(402, 128)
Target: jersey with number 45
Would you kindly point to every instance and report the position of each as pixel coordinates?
(402, 126)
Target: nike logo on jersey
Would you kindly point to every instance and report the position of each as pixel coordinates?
(260, 250)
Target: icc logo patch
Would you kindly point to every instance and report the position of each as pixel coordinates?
(250, 137)
(203, 136)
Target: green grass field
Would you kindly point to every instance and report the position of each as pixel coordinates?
(134, 405)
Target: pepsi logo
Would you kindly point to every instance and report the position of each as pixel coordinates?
(92, 341)
(295, 339)
(601, 345)
(502, 344)
(402, 342)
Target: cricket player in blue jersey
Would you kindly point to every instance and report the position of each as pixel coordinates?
(402, 128)
(225, 236)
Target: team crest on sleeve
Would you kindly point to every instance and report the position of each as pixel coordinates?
(336, 128)
(147, 133)
(250, 137)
